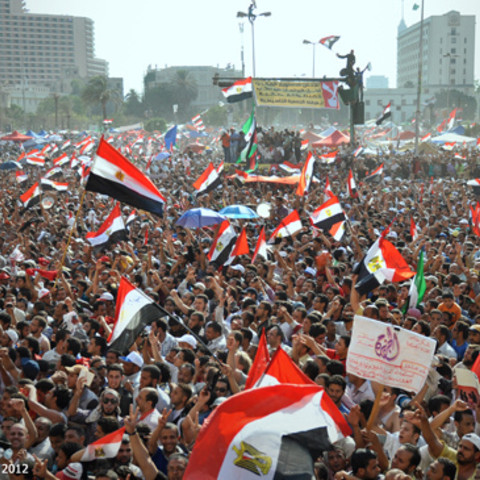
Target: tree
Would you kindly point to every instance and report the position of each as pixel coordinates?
(159, 101)
(153, 124)
(185, 91)
(96, 92)
(133, 103)
(457, 99)
(215, 117)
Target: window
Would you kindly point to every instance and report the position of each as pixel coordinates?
(453, 31)
(454, 40)
(379, 102)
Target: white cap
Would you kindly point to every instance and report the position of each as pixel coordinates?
(189, 339)
(133, 357)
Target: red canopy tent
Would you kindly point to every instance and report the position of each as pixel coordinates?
(334, 140)
(406, 135)
(195, 147)
(15, 137)
(312, 137)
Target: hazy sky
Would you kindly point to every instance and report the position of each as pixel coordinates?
(131, 35)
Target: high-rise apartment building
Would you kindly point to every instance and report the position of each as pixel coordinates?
(36, 48)
(448, 52)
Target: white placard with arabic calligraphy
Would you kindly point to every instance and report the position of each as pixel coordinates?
(389, 355)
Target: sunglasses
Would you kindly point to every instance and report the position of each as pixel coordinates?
(113, 401)
(223, 390)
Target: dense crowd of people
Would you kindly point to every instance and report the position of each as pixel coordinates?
(62, 387)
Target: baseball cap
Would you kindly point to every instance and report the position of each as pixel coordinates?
(13, 335)
(463, 221)
(190, 339)
(4, 276)
(133, 357)
(30, 368)
(310, 271)
(43, 293)
(240, 268)
(107, 296)
(432, 278)
(475, 328)
(73, 471)
(472, 438)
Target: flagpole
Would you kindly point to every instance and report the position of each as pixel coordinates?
(70, 235)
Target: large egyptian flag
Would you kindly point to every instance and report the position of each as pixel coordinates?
(133, 312)
(288, 227)
(328, 214)
(111, 232)
(382, 262)
(107, 447)
(31, 197)
(257, 434)
(306, 176)
(240, 90)
(61, 160)
(208, 181)
(113, 175)
(375, 175)
(387, 112)
(222, 244)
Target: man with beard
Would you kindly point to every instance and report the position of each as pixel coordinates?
(124, 457)
(471, 354)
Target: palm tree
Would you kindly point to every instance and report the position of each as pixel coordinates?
(133, 103)
(97, 92)
(184, 90)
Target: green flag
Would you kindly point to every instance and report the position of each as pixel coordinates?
(418, 286)
(248, 153)
(415, 6)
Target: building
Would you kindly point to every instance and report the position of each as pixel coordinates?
(448, 52)
(208, 94)
(36, 48)
(27, 97)
(377, 81)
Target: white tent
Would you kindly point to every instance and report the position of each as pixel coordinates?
(453, 137)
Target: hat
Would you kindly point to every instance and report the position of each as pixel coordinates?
(43, 261)
(463, 221)
(75, 369)
(107, 296)
(218, 401)
(190, 339)
(392, 234)
(4, 276)
(73, 471)
(414, 312)
(133, 357)
(475, 328)
(432, 278)
(199, 285)
(105, 259)
(43, 293)
(240, 268)
(30, 368)
(472, 438)
(310, 271)
(13, 335)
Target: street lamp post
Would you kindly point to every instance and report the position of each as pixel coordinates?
(419, 86)
(308, 42)
(251, 18)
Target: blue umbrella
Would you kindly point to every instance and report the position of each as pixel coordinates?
(11, 165)
(238, 211)
(162, 156)
(200, 217)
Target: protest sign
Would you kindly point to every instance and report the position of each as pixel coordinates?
(389, 355)
(468, 387)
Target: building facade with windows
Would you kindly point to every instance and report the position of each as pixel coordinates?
(36, 48)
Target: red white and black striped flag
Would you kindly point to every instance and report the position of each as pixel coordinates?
(387, 112)
(112, 231)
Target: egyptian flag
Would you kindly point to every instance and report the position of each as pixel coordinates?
(449, 145)
(208, 181)
(478, 142)
(47, 184)
(329, 41)
(358, 152)
(240, 247)
(387, 112)
(66, 144)
(240, 90)
(261, 248)
(288, 227)
(83, 142)
(145, 239)
(21, 177)
(306, 176)
(131, 218)
(222, 244)
(375, 175)
(328, 214)
(413, 229)
(61, 160)
(304, 144)
(86, 147)
(451, 119)
(262, 359)
(35, 160)
(45, 149)
(441, 127)
(107, 121)
(112, 231)
(382, 262)
(134, 311)
(113, 175)
(475, 184)
(53, 172)
(290, 168)
(457, 156)
(107, 447)
(329, 158)
(352, 187)
(31, 197)
(426, 138)
(327, 190)
(110, 139)
(48, 274)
